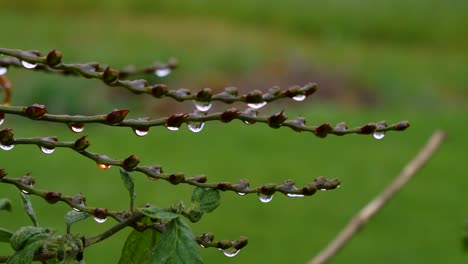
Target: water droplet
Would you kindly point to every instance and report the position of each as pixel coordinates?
(153, 178)
(103, 166)
(3, 70)
(202, 106)
(378, 135)
(202, 246)
(28, 65)
(1, 121)
(47, 150)
(77, 129)
(230, 254)
(100, 220)
(265, 198)
(140, 132)
(241, 193)
(294, 195)
(257, 105)
(7, 147)
(338, 186)
(76, 209)
(162, 72)
(323, 190)
(196, 127)
(24, 191)
(172, 128)
(299, 97)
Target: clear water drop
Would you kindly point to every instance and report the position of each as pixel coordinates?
(100, 220)
(202, 106)
(24, 191)
(323, 190)
(77, 129)
(76, 209)
(257, 105)
(47, 150)
(3, 70)
(229, 253)
(103, 166)
(7, 147)
(28, 65)
(201, 245)
(172, 128)
(140, 133)
(294, 195)
(265, 198)
(196, 127)
(241, 193)
(299, 97)
(378, 135)
(1, 121)
(162, 72)
(338, 186)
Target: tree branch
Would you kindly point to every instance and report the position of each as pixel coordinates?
(363, 216)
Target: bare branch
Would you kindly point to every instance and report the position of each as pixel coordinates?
(363, 216)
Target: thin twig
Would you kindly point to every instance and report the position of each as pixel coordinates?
(363, 216)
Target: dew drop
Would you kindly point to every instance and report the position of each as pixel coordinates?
(378, 135)
(153, 178)
(241, 193)
(162, 72)
(230, 254)
(77, 129)
(299, 97)
(28, 65)
(172, 128)
(47, 150)
(257, 105)
(265, 198)
(24, 191)
(323, 190)
(202, 246)
(196, 127)
(7, 147)
(100, 220)
(202, 106)
(76, 209)
(140, 133)
(338, 186)
(1, 121)
(3, 70)
(294, 195)
(103, 166)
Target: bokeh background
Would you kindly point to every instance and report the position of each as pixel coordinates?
(385, 60)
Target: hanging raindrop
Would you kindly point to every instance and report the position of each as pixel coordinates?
(172, 128)
(294, 195)
(28, 65)
(47, 150)
(196, 127)
(7, 147)
(265, 198)
(230, 254)
(299, 97)
(241, 193)
(140, 132)
(100, 220)
(202, 106)
(76, 128)
(162, 72)
(24, 191)
(1, 121)
(257, 105)
(3, 70)
(103, 166)
(323, 190)
(378, 135)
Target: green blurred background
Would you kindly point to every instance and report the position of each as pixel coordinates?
(386, 60)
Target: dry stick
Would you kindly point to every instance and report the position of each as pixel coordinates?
(363, 216)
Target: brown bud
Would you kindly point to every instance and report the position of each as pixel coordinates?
(131, 162)
(159, 90)
(110, 75)
(116, 116)
(81, 144)
(276, 120)
(309, 189)
(3, 173)
(52, 197)
(268, 189)
(200, 178)
(402, 125)
(368, 129)
(204, 95)
(240, 243)
(223, 244)
(229, 115)
(53, 58)
(6, 136)
(254, 96)
(176, 120)
(223, 186)
(323, 130)
(320, 182)
(231, 90)
(293, 91)
(309, 88)
(100, 213)
(35, 111)
(176, 178)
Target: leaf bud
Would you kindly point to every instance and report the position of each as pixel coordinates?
(276, 120)
(309, 88)
(254, 96)
(116, 116)
(402, 125)
(159, 90)
(268, 189)
(54, 58)
(204, 95)
(131, 162)
(240, 243)
(6, 136)
(223, 186)
(176, 120)
(35, 111)
(176, 178)
(52, 197)
(81, 144)
(229, 115)
(323, 130)
(110, 75)
(100, 213)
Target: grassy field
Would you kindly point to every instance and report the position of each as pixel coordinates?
(413, 64)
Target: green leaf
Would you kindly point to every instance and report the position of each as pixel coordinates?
(5, 235)
(73, 216)
(177, 245)
(26, 255)
(159, 213)
(138, 246)
(129, 185)
(5, 204)
(27, 234)
(207, 199)
(28, 208)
